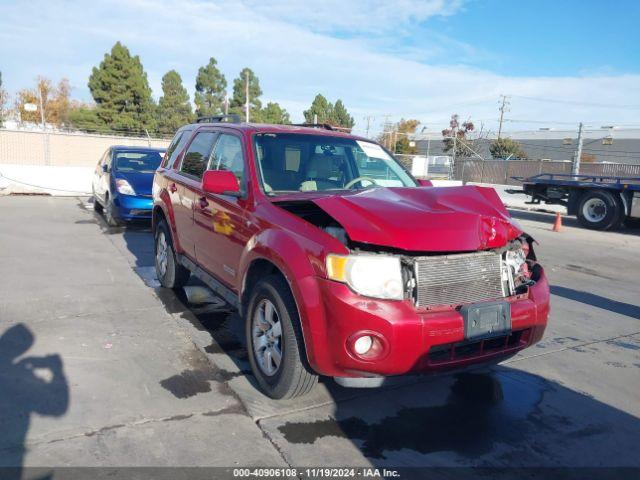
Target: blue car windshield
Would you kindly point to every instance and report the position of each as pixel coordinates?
(137, 161)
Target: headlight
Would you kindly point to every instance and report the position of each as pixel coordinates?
(377, 276)
(515, 259)
(124, 187)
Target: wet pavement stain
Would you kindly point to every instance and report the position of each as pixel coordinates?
(616, 364)
(627, 345)
(193, 382)
(480, 411)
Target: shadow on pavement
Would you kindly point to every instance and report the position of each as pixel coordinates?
(594, 300)
(27, 385)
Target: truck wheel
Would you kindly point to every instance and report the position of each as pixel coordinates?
(169, 272)
(274, 341)
(598, 210)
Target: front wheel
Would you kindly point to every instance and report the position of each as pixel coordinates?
(109, 213)
(599, 210)
(274, 341)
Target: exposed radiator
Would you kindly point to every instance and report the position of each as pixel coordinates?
(458, 279)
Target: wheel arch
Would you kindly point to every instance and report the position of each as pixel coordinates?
(276, 252)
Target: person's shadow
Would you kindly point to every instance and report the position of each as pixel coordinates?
(27, 385)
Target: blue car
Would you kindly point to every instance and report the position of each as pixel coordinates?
(122, 183)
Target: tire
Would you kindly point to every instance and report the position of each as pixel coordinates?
(109, 215)
(599, 210)
(292, 377)
(97, 206)
(169, 272)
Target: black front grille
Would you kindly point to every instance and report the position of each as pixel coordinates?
(451, 352)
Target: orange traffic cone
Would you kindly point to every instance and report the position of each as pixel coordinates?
(557, 226)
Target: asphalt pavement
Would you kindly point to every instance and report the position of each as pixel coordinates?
(101, 367)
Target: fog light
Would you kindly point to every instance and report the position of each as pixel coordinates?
(363, 344)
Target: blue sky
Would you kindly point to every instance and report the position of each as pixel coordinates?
(423, 59)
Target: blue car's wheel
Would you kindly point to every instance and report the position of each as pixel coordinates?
(109, 213)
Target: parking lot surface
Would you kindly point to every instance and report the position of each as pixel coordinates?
(101, 367)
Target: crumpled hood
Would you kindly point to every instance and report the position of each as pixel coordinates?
(141, 182)
(431, 219)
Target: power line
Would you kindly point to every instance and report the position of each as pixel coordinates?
(572, 102)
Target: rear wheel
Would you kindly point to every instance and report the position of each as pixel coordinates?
(169, 272)
(599, 210)
(274, 341)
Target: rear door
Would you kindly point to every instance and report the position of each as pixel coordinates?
(221, 222)
(184, 182)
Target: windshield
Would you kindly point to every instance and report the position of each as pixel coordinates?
(137, 161)
(306, 163)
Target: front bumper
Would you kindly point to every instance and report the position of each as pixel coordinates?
(415, 340)
(132, 207)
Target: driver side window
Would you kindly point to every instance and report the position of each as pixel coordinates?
(227, 155)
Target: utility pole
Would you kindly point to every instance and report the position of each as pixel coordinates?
(41, 106)
(226, 104)
(503, 108)
(368, 119)
(246, 92)
(575, 170)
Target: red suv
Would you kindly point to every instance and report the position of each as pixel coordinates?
(338, 260)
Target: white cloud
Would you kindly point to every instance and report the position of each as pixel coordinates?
(295, 59)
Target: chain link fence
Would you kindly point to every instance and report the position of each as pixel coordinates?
(37, 148)
(501, 172)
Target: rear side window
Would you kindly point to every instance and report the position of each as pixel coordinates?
(177, 144)
(197, 155)
(228, 156)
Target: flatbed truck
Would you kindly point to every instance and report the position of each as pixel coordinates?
(599, 202)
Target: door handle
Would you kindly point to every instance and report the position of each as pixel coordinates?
(203, 203)
(173, 188)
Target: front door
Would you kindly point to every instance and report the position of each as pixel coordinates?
(183, 185)
(221, 223)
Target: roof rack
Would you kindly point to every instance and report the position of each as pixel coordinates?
(326, 126)
(232, 118)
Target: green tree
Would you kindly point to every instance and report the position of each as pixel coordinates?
(341, 117)
(504, 148)
(404, 128)
(321, 110)
(120, 88)
(85, 117)
(174, 109)
(274, 113)
(238, 99)
(211, 89)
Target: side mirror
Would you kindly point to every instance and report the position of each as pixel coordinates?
(424, 182)
(220, 182)
(105, 168)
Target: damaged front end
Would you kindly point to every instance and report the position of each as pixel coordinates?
(439, 281)
(433, 276)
